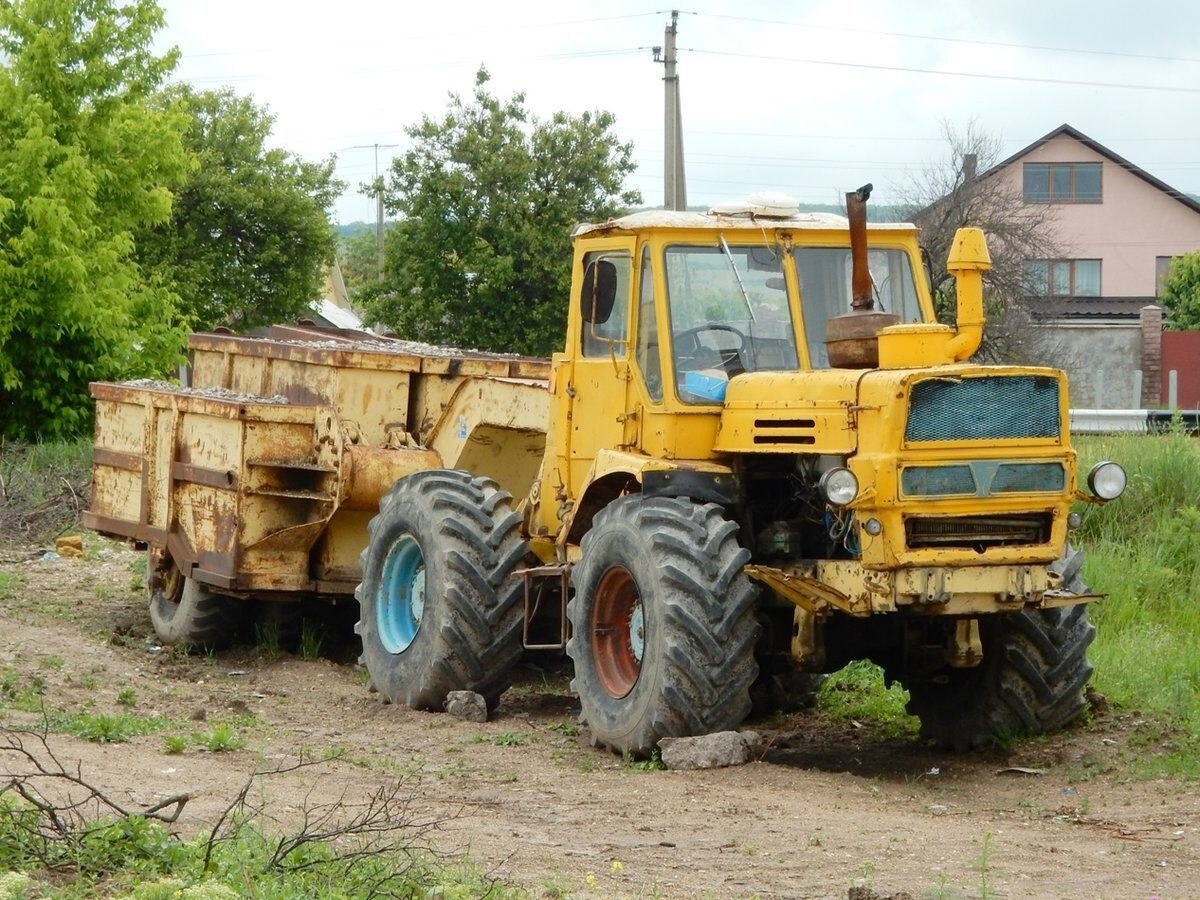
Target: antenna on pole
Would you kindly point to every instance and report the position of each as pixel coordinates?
(674, 182)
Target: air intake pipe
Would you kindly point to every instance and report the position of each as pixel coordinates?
(969, 259)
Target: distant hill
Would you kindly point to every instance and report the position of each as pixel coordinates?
(353, 228)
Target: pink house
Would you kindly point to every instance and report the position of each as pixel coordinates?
(1118, 227)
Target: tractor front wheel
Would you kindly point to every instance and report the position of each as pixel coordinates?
(662, 622)
(1030, 681)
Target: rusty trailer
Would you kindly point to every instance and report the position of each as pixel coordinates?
(261, 476)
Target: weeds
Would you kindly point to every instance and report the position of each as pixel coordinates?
(510, 739)
(857, 694)
(43, 487)
(221, 738)
(102, 728)
(174, 744)
(1142, 552)
(375, 847)
(312, 641)
(983, 866)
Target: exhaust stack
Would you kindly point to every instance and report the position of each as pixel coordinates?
(851, 340)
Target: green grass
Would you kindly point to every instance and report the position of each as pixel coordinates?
(142, 859)
(102, 728)
(45, 486)
(857, 694)
(1143, 550)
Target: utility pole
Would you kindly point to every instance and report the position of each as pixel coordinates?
(378, 213)
(674, 182)
(377, 188)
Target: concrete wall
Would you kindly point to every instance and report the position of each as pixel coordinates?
(1134, 223)
(1100, 361)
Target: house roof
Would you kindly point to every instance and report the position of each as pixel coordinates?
(1095, 145)
(1085, 308)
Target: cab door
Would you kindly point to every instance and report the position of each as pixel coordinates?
(599, 396)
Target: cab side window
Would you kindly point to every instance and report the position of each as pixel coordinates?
(604, 303)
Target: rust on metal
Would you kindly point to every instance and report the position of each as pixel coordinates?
(860, 278)
(851, 340)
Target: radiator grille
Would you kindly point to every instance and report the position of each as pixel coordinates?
(976, 532)
(991, 407)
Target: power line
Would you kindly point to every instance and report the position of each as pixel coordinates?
(944, 72)
(952, 40)
(423, 37)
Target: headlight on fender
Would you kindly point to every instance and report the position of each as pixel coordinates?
(838, 486)
(1107, 480)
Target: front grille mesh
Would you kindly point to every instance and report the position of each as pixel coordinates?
(990, 407)
(976, 532)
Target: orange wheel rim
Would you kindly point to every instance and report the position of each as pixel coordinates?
(618, 632)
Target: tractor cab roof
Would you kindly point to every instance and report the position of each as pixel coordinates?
(730, 218)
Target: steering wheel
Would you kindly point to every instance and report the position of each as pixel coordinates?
(728, 355)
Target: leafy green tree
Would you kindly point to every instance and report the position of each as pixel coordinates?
(84, 161)
(486, 199)
(358, 255)
(1181, 293)
(249, 231)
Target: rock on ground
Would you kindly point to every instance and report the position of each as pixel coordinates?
(708, 751)
(467, 705)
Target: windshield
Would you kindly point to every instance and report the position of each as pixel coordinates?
(824, 274)
(729, 314)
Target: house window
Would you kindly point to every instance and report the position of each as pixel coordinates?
(1162, 265)
(1062, 277)
(1062, 183)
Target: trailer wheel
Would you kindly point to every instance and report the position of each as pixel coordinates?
(1031, 679)
(183, 611)
(663, 625)
(438, 609)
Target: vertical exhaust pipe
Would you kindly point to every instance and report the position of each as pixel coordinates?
(851, 340)
(861, 294)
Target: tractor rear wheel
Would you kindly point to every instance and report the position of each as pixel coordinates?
(1031, 679)
(662, 621)
(438, 610)
(184, 611)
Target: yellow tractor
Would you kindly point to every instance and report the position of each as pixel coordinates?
(763, 458)
(757, 457)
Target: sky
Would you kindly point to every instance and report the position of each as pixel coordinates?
(808, 98)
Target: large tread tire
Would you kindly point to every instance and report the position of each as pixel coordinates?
(183, 611)
(679, 659)
(1030, 682)
(465, 633)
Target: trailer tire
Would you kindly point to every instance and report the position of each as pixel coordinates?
(439, 610)
(1030, 682)
(184, 611)
(663, 623)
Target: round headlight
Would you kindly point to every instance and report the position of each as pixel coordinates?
(1107, 480)
(839, 486)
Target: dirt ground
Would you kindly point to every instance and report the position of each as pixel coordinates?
(827, 805)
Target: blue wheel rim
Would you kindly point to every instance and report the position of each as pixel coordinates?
(400, 600)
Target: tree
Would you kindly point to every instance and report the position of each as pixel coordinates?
(949, 195)
(1181, 293)
(85, 160)
(249, 232)
(358, 255)
(486, 199)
